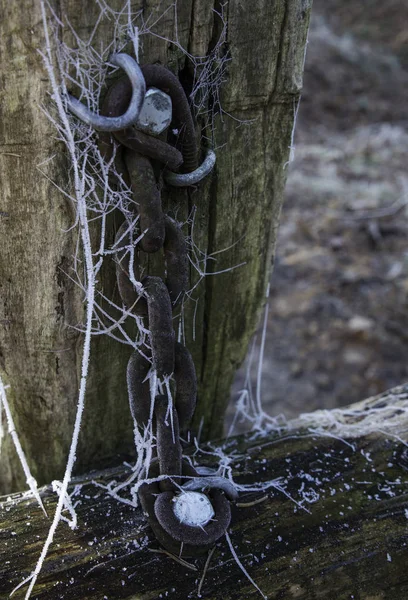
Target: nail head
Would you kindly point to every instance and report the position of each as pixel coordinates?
(155, 115)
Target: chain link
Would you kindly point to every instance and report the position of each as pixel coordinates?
(154, 302)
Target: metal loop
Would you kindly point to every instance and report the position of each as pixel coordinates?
(147, 193)
(202, 537)
(159, 77)
(163, 79)
(150, 146)
(169, 450)
(160, 325)
(116, 101)
(186, 179)
(173, 535)
(175, 255)
(186, 389)
(138, 86)
(138, 387)
(177, 265)
(186, 386)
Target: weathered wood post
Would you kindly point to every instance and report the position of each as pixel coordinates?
(238, 210)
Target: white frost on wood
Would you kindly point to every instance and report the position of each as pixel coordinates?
(31, 482)
(193, 508)
(386, 413)
(241, 566)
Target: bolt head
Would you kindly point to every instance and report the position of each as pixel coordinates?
(156, 112)
(193, 508)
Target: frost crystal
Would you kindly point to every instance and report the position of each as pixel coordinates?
(193, 508)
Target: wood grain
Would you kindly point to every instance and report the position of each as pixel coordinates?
(40, 351)
(345, 538)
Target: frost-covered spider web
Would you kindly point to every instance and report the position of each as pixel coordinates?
(385, 414)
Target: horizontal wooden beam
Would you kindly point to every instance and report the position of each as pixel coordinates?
(338, 530)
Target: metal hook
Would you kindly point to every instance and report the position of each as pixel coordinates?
(133, 71)
(186, 179)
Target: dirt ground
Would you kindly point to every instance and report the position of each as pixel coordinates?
(338, 323)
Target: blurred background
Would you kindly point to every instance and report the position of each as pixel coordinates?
(338, 322)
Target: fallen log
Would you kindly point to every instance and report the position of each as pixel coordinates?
(329, 520)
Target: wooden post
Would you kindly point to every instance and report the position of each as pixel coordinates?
(236, 211)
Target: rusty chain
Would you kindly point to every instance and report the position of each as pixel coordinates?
(187, 512)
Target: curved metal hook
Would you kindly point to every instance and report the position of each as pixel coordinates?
(133, 71)
(185, 179)
(115, 103)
